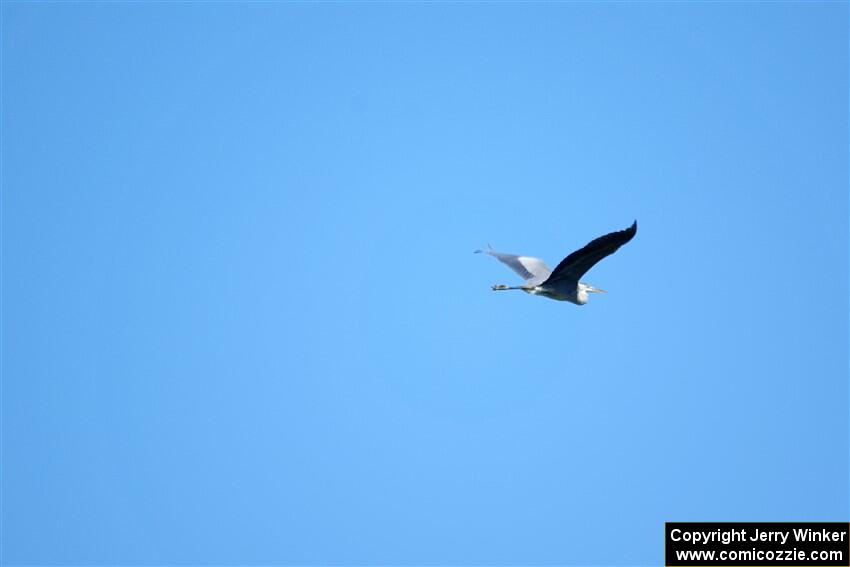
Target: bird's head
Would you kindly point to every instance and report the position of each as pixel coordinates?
(584, 290)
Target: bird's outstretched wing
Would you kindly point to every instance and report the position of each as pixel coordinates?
(533, 270)
(574, 266)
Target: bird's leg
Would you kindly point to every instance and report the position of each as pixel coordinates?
(499, 287)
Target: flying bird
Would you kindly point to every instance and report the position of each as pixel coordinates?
(563, 283)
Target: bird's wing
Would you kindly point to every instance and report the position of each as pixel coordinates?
(574, 266)
(534, 270)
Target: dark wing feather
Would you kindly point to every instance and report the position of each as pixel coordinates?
(574, 266)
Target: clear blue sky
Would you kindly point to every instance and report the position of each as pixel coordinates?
(242, 320)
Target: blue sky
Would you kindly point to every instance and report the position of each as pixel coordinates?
(242, 321)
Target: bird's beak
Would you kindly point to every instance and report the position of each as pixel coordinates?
(596, 290)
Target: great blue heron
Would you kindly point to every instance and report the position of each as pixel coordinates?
(563, 283)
